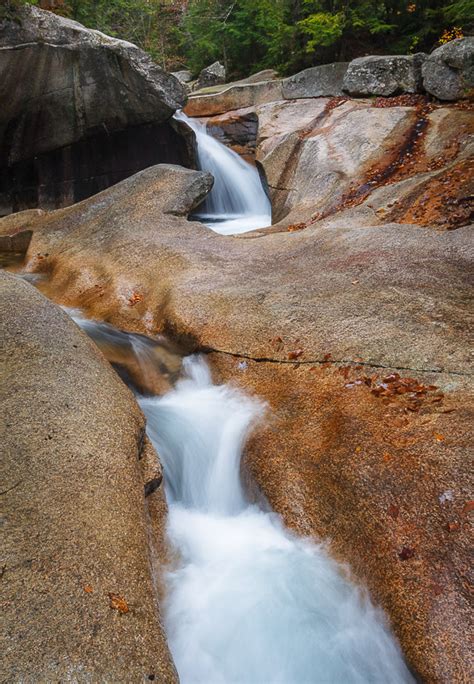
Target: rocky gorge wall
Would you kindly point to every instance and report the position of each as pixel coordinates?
(80, 112)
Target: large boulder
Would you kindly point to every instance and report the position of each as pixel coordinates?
(212, 75)
(319, 81)
(76, 106)
(79, 555)
(384, 75)
(448, 73)
(184, 76)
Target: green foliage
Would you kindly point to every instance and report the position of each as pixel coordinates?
(288, 35)
(8, 8)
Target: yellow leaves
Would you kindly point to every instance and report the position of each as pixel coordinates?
(451, 34)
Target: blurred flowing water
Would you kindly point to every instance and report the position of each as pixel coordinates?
(248, 602)
(237, 202)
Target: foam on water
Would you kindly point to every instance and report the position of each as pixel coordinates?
(237, 202)
(248, 602)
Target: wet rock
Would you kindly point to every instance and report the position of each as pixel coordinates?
(448, 72)
(75, 528)
(319, 81)
(212, 75)
(237, 130)
(384, 75)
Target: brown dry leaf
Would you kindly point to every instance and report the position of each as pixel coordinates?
(453, 526)
(292, 355)
(438, 437)
(277, 343)
(393, 511)
(88, 589)
(468, 507)
(296, 226)
(118, 603)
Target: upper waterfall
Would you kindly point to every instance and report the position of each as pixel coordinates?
(237, 203)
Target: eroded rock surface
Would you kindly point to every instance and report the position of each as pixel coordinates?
(78, 596)
(78, 108)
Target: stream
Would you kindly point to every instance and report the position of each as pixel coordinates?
(247, 602)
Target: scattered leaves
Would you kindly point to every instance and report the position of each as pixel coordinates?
(296, 226)
(118, 603)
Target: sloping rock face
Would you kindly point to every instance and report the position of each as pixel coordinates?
(448, 73)
(323, 155)
(384, 75)
(78, 595)
(350, 317)
(68, 95)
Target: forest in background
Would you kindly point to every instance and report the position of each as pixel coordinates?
(286, 35)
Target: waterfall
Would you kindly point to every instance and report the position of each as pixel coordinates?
(248, 602)
(237, 203)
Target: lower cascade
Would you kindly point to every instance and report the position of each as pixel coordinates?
(237, 203)
(248, 602)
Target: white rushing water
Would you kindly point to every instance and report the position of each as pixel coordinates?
(248, 602)
(237, 202)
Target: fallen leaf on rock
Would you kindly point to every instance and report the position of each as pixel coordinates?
(438, 437)
(277, 343)
(118, 603)
(393, 511)
(88, 589)
(296, 226)
(135, 298)
(406, 553)
(453, 526)
(468, 507)
(292, 355)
